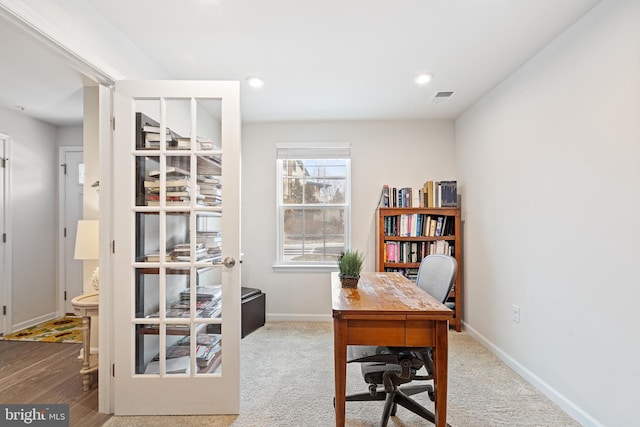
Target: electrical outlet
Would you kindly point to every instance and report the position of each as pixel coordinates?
(515, 313)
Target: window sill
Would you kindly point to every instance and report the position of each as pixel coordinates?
(304, 268)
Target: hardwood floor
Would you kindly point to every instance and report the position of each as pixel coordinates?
(48, 373)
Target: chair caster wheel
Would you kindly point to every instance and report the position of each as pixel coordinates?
(432, 395)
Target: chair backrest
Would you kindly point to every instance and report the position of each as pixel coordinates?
(437, 274)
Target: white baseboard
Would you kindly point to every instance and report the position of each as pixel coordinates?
(33, 322)
(559, 399)
(278, 317)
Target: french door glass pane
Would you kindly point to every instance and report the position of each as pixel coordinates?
(178, 242)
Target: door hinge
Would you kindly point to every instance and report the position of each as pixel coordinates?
(113, 246)
(65, 295)
(4, 310)
(64, 165)
(4, 237)
(113, 123)
(3, 162)
(113, 370)
(64, 232)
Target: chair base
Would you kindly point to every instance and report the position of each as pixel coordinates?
(399, 396)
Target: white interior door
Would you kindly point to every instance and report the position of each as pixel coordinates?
(176, 220)
(72, 194)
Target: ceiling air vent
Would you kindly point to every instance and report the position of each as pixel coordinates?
(441, 97)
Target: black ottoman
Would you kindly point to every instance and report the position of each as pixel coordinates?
(253, 307)
(252, 312)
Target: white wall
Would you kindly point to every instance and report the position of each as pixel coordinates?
(550, 167)
(69, 135)
(34, 172)
(402, 153)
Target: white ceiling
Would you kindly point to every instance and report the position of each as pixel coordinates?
(328, 60)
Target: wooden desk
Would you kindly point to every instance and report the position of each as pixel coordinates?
(390, 310)
(86, 306)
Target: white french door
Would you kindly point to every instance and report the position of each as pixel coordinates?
(176, 228)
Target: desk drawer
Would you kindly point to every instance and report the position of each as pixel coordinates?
(420, 333)
(410, 333)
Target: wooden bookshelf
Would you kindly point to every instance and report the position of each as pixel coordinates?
(404, 237)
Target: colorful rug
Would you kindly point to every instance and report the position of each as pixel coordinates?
(66, 329)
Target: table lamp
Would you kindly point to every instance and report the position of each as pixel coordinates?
(87, 238)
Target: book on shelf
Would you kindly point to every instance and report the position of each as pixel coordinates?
(208, 346)
(211, 191)
(438, 231)
(384, 197)
(441, 194)
(202, 293)
(414, 252)
(202, 144)
(155, 257)
(169, 203)
(432, 194)
(209, 179)
(208, 339)
(449, 194)
(156, 197)
(181, 182)
(391, 252)
(152, 136)
(432, 227)
(186, 247)
(206, 354)
(153, 129)
(210, 200)
(182, 252)
(184, 190)
(178, 365)
(170, 171)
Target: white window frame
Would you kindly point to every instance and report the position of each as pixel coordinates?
(287, 151)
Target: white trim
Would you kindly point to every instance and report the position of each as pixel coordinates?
(33, 322)
(105, 320)
(573, 410)
(7, 278)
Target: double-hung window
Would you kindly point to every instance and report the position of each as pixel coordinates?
(314, 197)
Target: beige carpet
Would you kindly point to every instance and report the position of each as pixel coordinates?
(287, 380)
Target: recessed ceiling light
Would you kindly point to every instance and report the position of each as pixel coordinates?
(255, 82)
(423, 79)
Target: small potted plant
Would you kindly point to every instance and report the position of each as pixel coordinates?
(350, 266)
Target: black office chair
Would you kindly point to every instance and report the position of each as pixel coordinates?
(391, 367)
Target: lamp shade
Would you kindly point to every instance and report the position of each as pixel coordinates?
(87, 238)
